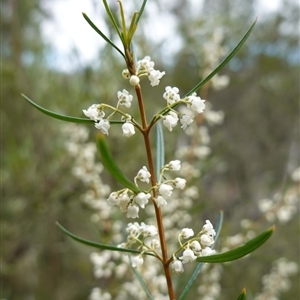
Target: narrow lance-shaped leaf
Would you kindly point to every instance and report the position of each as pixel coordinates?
(240, 251)
(99, 245)
(101, 34)
(199, 267)
(111, 166)
(224, 62)
(56, 115)
(64, 117)
(242, 295)
(141, 11)
(112, 18)
(94, 244)
(160, 149)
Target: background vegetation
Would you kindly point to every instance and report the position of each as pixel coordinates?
(253, 151)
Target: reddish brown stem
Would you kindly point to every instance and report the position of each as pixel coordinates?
(160, 226)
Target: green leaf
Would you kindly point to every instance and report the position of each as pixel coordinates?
(64, 117)
(94, 244)
(242, 295)
(199, 266)
(56, 115)
(160, 149)
(142, 282)
(141, 11)
(101, 34)
(240, 251)
(224, 62)
(111, 166)
(113, 20)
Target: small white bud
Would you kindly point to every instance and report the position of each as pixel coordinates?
(134, 80)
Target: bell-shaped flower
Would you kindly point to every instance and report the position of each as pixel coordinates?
(196, 247)
(128, 129)
(142, 199)
(155, 77)
(144, 175)
(94, 113)
(187, 233)
(170, 120)
(165, 190)
(132, 211)
(188, 256)
(161, 201)
(113, 199)
(174, 165)
(208, 227)
(186, 120)
(103, 125)
(179, 183)
(196, 103)
(177, 266)
(206, 240)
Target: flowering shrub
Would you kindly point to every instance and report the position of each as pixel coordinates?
(149, 248)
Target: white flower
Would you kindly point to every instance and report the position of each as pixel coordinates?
(206, 240)
(179, 183)
(171, 95)
(170, 120)
(124, 201)
(142, 199)
(186, 120)
(196, 247)
(177, 266)
(174, 165)
(132, 211)
(165, 190)
(209, 228)
(126, 74)
(187, 233)
(144, 175)
(155, 76)
(128, 129)
(188, 256)
(207, 251)
(145, 65)
(103, 125)
(161, 201)
(137, 261)
(93, 112)
(113, 199)
(134, 80)
(124, 98)
(149, 230)
(196, 103)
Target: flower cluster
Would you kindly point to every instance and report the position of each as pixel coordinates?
(131, 202)
(144, 67)
(195, 247)
(165, 188)
(145, 236)
(193, 103)
(96, 113)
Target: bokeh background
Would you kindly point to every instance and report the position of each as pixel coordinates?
(252, 155)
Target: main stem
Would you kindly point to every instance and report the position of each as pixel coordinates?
(161, 232)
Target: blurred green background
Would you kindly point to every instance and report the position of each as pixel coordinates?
(257, 145)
